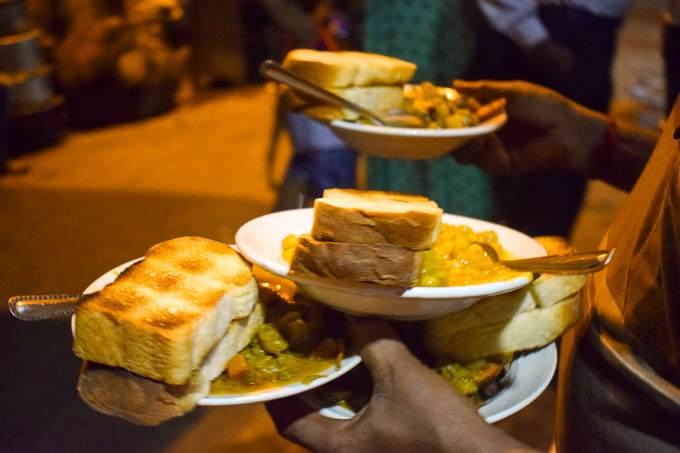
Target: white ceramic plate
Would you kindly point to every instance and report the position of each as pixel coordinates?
(527, 378)
(410, 143)
(282, 392)
(259, 241)
(253, 397)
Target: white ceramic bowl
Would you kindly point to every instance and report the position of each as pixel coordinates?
(409, 143)
(259, 241)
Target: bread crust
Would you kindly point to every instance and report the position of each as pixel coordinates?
(527, 318)
(527, 330)
(162, 315)
(144, 401)
(384, 264)
(375, 217)
(342, 69)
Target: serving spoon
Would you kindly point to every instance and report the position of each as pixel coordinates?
(397, 118)
(575, 263)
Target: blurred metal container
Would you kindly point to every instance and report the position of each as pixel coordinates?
(27, 88)
(36, 114)
(20, 52)
(14, 17)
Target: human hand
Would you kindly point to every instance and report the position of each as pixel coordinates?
(544, 131)
(412, 408)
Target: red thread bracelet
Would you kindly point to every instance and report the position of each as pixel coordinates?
(611, 138)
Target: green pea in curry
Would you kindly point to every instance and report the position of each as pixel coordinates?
(296, 343)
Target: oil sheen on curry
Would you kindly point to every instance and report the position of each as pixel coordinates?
(454, 260)
(296, 343)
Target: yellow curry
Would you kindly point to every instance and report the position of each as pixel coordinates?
(440, 107)
(454, 260)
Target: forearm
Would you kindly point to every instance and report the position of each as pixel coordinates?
(490, 439)
(628, 158)
(618, 151)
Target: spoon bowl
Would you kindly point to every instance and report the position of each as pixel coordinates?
(575, 263)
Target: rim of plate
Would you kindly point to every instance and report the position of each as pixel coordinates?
(486, 127)
(260, 396)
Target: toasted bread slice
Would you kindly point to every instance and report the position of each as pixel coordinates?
(527, 330)
(374, 217)
(384, 264)
(344, 69)
(144, 401)
(503, 323)
(163, 314)
(382, 98)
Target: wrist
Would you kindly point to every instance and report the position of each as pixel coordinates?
(606, 150)
(621, 154)
(583, 137)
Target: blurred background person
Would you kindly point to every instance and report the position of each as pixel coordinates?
(565, 45)
(319, 159)
(440, 37)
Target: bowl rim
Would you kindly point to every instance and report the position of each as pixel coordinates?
(488, 126)
(417, 292)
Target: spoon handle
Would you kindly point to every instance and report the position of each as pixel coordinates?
(577, 263)
(275, 72)
(34, 308)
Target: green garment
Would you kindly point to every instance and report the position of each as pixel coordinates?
(439, 37)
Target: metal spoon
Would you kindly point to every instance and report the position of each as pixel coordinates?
(35, 308)
(275, 72)
(576, 263)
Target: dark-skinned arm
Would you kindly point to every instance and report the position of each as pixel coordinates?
(412, 408)
(547, 131)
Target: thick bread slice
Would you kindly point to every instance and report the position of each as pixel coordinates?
(381, 98)
(543, 292)
(374, 217)
(344, 69)
(163, 314)
(489, 310)
(384, 264)
(527, 330)
(145, 401)
(492, 312)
